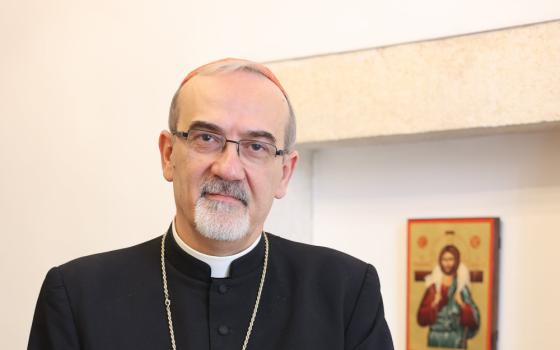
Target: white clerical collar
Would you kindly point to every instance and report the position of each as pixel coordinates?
(219, 265)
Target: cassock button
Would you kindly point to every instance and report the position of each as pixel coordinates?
(223, 330)
(222, 288)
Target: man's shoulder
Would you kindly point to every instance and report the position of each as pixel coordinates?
(112, 264)
(325, 275)
(315, 258)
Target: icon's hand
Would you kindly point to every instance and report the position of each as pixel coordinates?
(437, 299)
(459, 299)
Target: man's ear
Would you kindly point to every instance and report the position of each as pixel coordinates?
(165, 151)
(288, 167)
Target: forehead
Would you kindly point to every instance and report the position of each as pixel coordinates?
(235, 101)
(447, 255)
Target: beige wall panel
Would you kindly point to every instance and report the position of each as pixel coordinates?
(503, 78)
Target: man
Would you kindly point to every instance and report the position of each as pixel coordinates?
(447, 306)
(215, 280)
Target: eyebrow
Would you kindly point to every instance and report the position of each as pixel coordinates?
(198, 124)
(259, 134)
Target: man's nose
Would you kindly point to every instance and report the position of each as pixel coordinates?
(228, 165)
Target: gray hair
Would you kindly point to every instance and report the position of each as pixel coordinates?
(236, 66)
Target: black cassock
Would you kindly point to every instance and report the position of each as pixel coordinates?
(313, 298)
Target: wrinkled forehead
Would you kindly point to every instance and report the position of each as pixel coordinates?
(180, 107)
(234, 101)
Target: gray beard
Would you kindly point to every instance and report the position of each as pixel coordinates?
(221, 221)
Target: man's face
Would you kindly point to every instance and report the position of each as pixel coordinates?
(448, 263)
(208, 187)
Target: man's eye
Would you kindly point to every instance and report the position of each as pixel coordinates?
(257, 147)
(206, 138)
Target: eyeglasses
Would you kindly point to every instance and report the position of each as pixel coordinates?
(252, 151)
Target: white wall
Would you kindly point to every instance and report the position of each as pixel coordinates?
(363, 196)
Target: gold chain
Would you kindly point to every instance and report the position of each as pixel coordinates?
(167, 300)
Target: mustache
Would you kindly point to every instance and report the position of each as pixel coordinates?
(233, 189)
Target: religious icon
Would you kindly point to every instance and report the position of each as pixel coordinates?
(452, 283)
